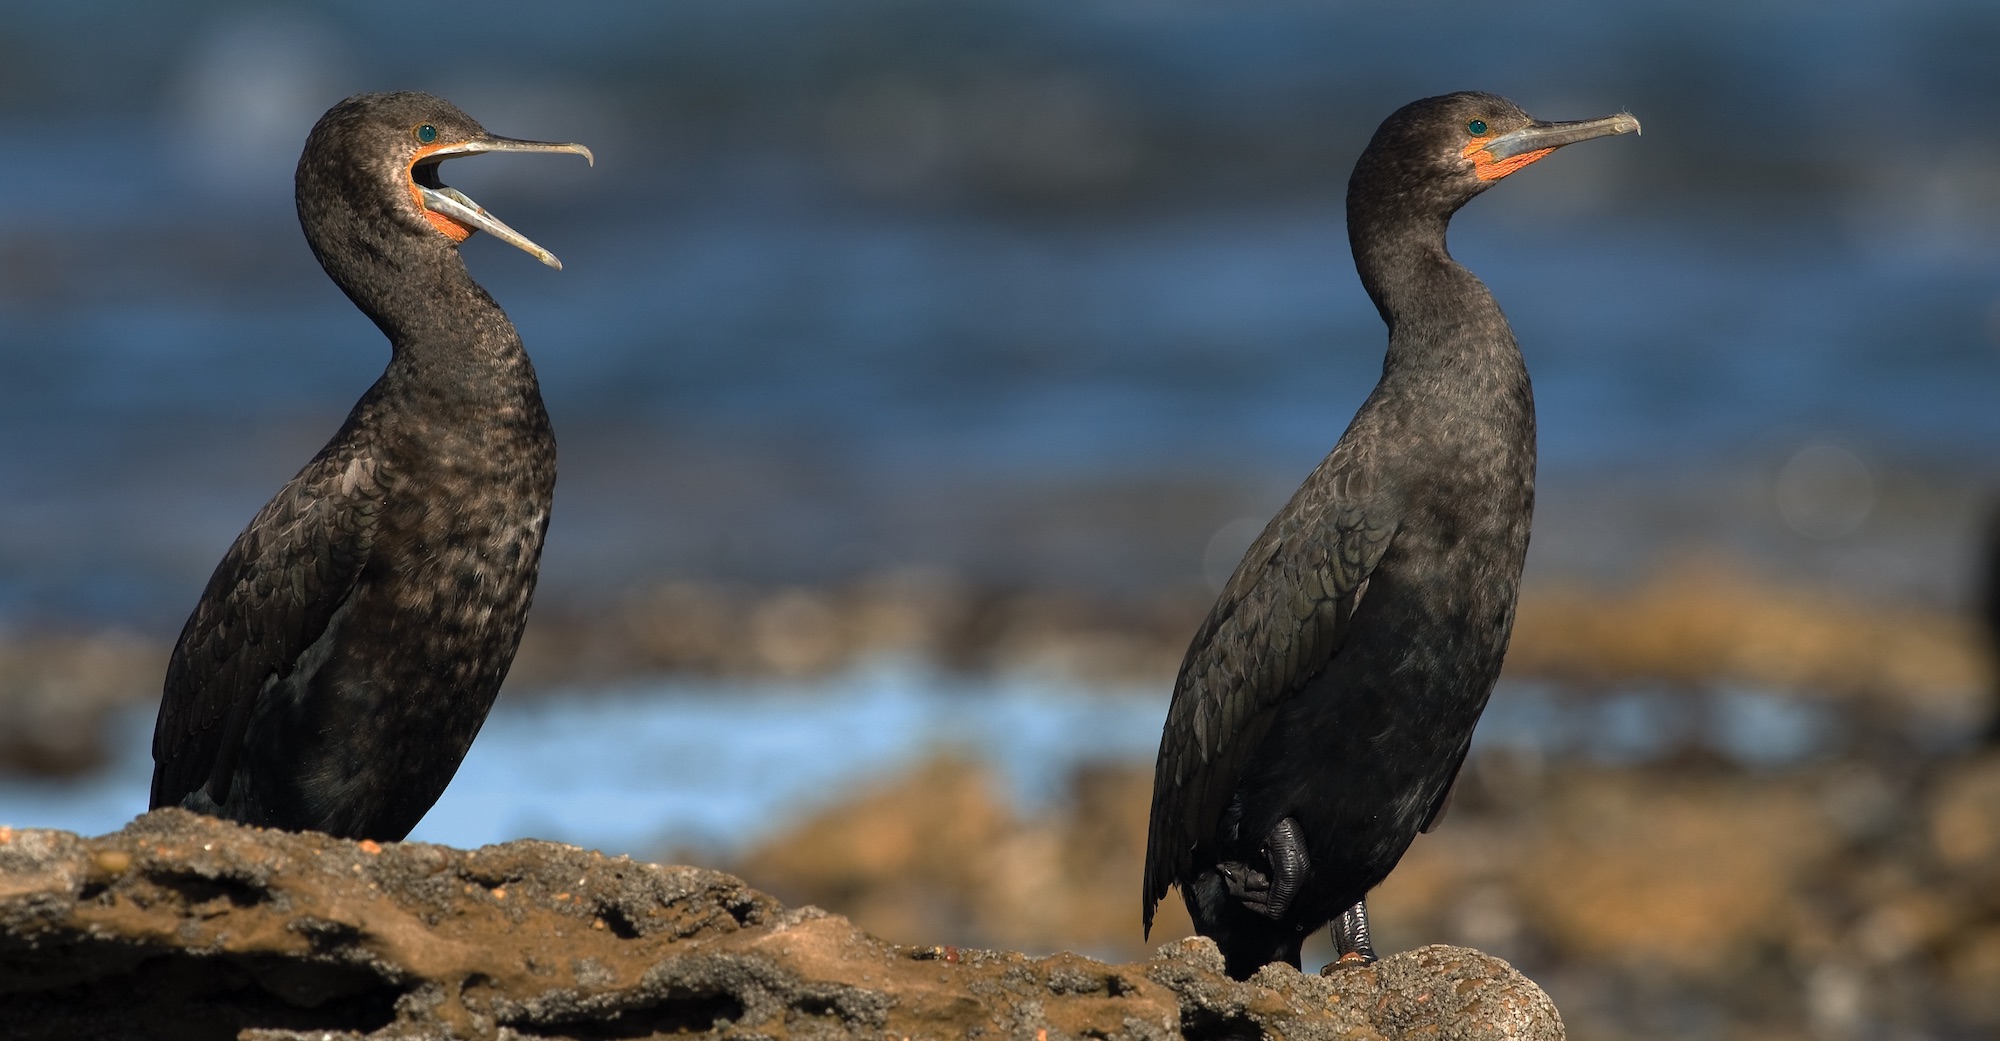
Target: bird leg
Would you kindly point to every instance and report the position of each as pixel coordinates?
(1270, 894)
(1350, 936)
(1285, 848)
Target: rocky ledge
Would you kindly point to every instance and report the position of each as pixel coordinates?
(182, 927)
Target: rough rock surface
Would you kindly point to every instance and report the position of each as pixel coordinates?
(181, 926)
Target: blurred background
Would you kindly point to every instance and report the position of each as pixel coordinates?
(921, 370)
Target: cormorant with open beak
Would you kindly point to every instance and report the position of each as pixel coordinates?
(349, 645)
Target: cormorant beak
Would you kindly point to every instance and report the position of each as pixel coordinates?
(449, 206)
(1496, 157)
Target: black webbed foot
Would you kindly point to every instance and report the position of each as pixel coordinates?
(1269, 893)
(1247, 885)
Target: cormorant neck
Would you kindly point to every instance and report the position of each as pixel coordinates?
(1400, 254)
(427, 302)
(443, 327)
(1398, 208)
(1441, 317)
(402, 273)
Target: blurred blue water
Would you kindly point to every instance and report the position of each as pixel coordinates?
(701, 763)
(722, 765)
(718, 765)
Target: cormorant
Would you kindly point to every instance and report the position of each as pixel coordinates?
(349, 645)
(1326, 704)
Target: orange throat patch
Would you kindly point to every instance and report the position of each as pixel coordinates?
(447, 227)
(1488, 168)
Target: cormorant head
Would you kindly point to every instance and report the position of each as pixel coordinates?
(1439, 152)
(370, 169)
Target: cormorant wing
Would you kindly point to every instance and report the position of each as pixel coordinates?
(1280, 620)
(275, 595)
(1442, 804)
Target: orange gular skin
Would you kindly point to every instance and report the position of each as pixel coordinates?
(447, 227)
(1488, 168)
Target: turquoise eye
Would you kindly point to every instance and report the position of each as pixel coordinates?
(428, 133)
(1475, 128)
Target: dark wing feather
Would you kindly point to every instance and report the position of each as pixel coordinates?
(1442, 804)
(274, 594)
(1280, 620)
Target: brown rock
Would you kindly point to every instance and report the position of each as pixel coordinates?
(1417, 993)
(1965, 819)
(181, 926)
(1670, 871)
(940, 852)
(1708, 619)
(57, 690)
(1434, 993)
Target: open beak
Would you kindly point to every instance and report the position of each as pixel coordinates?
(456, 206)
(1497, 157)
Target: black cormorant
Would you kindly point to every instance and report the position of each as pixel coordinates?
(349, 645)
(1327, 702)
